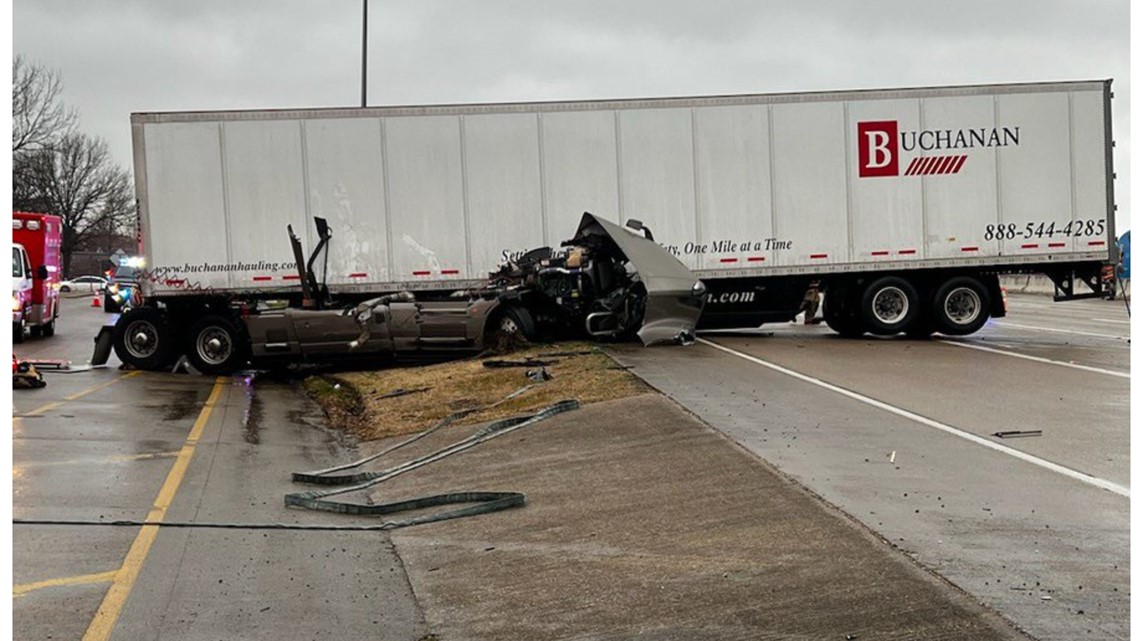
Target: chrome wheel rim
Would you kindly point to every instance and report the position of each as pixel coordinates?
(963, 306)
(142, 339)
(214, 345)
(508, 325)
(890, 305)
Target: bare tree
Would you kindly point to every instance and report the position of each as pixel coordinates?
(76, 180)
(39, 118)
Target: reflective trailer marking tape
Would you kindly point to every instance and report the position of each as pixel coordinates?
(1030, 246)
(969, 249)
(907, 252)
(880, 253)
(358, 275)
(258, 279)
(421, 273)
(729, 260)
(818, 256)
(755, 259)
(1077, 475)
(292, 277)
(1096, 243)
(1055, 245)
(450, 272)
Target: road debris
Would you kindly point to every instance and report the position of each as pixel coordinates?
(402, 392)
(1017, 433)
(539, 375)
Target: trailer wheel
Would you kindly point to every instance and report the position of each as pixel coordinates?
(142, 338)
(216, 345)
(889, 306)
(840, 316)
(961, 306)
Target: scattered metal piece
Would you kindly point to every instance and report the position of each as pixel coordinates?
(1046, 597)
(538, 375)
(892, 459)
(49, 364)
(75, 370)
(1017, 433)
(403, 392)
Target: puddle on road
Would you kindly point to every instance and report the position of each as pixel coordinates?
(183, 404)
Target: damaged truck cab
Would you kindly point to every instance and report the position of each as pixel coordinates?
(609, 283)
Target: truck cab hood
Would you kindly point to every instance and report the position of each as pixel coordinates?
(674, 295)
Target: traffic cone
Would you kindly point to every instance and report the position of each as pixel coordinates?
(95, 300)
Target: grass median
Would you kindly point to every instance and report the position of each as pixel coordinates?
(402, 400)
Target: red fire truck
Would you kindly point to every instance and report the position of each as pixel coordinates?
(36, 273)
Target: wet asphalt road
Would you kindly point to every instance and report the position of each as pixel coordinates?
(1047, 550)
(894, 432)
(105, 445)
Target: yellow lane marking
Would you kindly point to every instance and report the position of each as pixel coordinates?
(83, 579)
(90, 390)
(108, 613)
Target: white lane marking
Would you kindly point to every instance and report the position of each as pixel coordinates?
(1087, 368)
(1115, 488)
(1058, 331)
(1110, 320)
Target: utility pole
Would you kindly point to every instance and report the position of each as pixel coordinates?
(364, 59)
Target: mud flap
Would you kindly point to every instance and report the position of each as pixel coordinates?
(103, 344)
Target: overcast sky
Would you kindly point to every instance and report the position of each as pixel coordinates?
(122, 56)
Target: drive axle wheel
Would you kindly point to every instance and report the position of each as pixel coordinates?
(217, 346)
(142, 339)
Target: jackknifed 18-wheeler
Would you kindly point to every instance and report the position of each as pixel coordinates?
(902, 205)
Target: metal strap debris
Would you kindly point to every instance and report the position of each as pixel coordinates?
(484, 501)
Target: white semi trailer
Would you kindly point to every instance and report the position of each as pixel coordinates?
(903, 205)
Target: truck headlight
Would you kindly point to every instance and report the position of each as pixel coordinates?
(16, 303)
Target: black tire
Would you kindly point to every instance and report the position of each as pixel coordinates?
(513, 324)
(49, 329)
(840, 316)
(217, 345)
(889, 306)
(961, 306)
(142, 339)
(18, 331)
(37, 331)
(65, 289)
